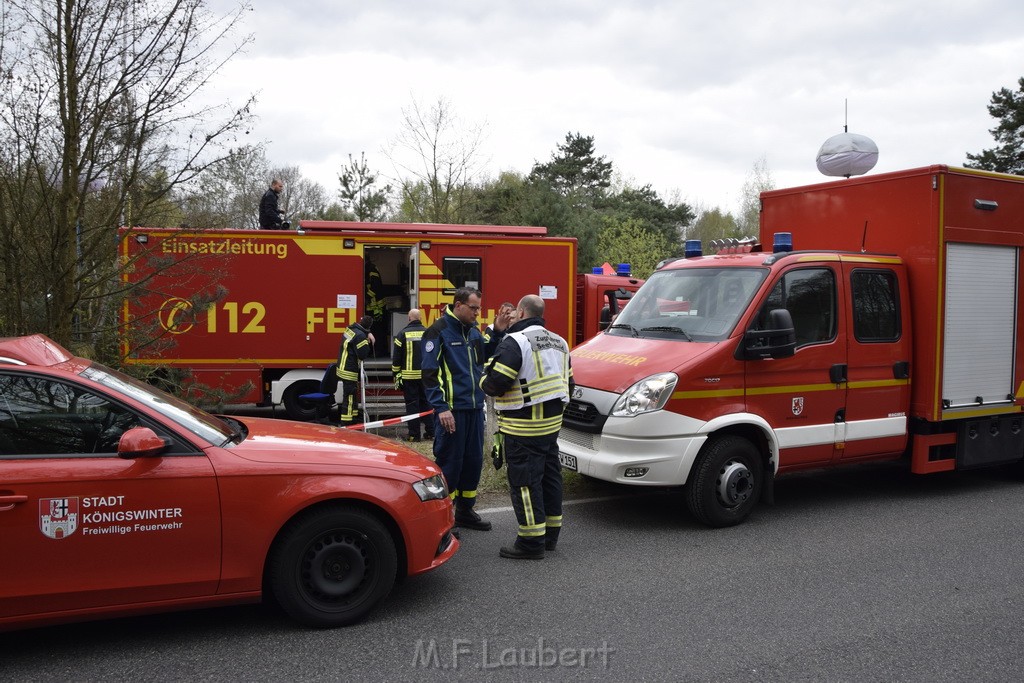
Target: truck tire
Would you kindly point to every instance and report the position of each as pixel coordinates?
(331, 566)
(726, 481)
(296, 408)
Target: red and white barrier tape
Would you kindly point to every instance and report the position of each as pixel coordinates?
(391, 421)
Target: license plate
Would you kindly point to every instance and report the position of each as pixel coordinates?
(568, 461)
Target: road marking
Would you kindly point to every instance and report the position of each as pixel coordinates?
(566, 503)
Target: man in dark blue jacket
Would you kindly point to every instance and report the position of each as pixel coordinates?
(453, 356)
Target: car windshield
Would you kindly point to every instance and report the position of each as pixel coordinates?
(199, 422)
(689, 304)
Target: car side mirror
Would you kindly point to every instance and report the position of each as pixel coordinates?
(777, 341)
(140, 442)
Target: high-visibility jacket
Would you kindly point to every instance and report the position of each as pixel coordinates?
(355, 347)
(405, 356)
(530, 377)
(374, 292)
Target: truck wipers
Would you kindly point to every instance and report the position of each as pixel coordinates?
(668, 328)
(624, 326)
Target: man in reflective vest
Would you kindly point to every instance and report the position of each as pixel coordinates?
(356, 345)
(405, 366)
(531, 379)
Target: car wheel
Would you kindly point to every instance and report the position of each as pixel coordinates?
(725, 482)
(297, 408)
(332, 565)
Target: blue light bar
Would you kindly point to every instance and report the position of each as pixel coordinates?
(693, 248)
(783, 241)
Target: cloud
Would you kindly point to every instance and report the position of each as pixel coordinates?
(683, 95)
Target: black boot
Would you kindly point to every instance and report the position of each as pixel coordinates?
(467, 518)
(517, 552)
(551, 538)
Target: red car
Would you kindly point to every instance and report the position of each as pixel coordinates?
(116, 499)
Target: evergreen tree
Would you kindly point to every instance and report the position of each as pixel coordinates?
(1008, 156)
(574, 171)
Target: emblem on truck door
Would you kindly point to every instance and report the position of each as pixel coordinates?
(798, 405)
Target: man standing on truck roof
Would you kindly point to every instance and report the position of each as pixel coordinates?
(355, 347)
(272, 218)
(530, 378)
(453, 356)
(406, 367)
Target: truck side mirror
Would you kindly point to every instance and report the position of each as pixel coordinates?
(778, 340)
(140, 442)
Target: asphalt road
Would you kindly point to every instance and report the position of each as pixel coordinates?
(865, 574)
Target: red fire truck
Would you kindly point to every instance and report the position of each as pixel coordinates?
(256, 316)
(884, 324)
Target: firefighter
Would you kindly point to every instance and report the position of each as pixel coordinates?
(530, 378)
(376, 306)
(355, 347)
(405, 366)
(453, 358)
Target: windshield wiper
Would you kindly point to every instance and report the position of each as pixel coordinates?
(237, 432)
(624, 326)
(668, 328)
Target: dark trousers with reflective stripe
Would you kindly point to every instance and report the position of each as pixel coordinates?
(460, 455)
(416, 402)
(535, 482)
(348, 412)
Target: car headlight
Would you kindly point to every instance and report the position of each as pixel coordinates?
(650, 393)
(433, 488)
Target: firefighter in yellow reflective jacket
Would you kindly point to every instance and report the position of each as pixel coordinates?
(405, 366)
(356, 345)
(531, 379)
(376, 308)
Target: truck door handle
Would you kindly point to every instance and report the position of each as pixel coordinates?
(837, 373)
(9, 501)
(901, 369)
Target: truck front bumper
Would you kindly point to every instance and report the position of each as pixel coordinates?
(655, 449)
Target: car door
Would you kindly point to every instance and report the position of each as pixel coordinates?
(802, 396)
(80, 527)
(878, 373)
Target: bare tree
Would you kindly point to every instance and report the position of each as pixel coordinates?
(227, 193)
(436, 173)
(758, 180)
(98, 125)
(303, 198)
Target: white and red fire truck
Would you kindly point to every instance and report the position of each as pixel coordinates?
(256, 316)
(884, 324)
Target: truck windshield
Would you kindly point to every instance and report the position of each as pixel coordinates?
(202, 424)
(689, 304)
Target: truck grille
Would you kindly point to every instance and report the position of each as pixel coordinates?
(583, 417)
(577, 411)
(577, 438)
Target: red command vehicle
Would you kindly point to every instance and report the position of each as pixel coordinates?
(885, 325)
(117, 499)
(258, 315)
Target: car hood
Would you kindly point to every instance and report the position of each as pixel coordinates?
(615, 363)
(284, 441)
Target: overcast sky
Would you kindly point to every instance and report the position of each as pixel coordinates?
(684, 96)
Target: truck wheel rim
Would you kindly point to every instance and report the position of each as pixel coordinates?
(735, 484)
